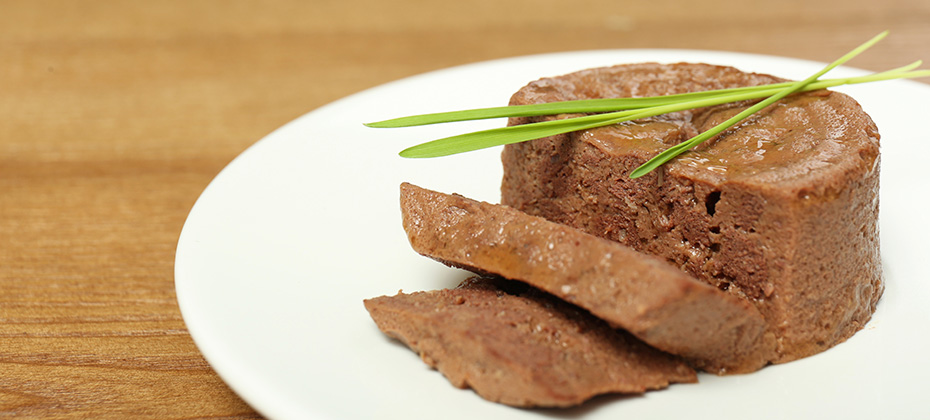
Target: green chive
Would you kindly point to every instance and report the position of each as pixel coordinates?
(616, 110)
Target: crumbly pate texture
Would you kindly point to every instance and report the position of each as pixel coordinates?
(645, 295)
(781, 210)
(517, 346)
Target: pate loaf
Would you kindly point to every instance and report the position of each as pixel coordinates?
(780, 210)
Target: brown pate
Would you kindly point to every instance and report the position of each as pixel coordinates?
(645, 295)
(515, 345)
(781, 211)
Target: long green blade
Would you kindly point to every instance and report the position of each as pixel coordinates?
(586, 106)
(507, 135)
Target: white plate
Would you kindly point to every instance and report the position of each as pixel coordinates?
(279, 251)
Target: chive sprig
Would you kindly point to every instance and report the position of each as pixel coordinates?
(609, 111)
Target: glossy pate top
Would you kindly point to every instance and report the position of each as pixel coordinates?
(802, 137)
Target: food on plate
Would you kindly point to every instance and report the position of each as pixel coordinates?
(517, 346)
(780, 211)
(729, 241)
(645, 295)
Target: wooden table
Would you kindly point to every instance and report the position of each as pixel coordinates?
(115, 115)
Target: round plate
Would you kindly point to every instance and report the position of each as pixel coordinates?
(282, 247)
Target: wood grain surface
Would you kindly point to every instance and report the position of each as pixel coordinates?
(114, 115)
